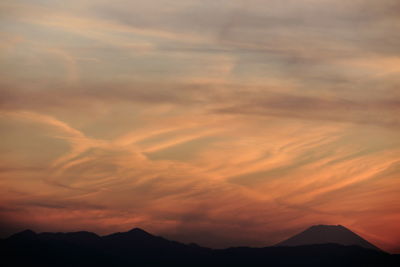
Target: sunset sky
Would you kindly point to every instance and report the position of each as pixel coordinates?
(220, 122)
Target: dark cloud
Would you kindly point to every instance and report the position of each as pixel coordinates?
(84, 95)
(377, 112)
(358, 26)
(229, 99)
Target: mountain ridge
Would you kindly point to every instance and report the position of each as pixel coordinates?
(137, 247)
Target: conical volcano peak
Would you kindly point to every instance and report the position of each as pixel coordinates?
(324, 234)
(338, 226)
(327, 227)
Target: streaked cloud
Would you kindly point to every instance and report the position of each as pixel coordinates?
(217, 122)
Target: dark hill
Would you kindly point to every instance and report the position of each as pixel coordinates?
(139, 248)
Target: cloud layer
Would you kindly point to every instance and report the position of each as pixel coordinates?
(218, 122)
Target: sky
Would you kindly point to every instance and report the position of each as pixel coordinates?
(220, 122)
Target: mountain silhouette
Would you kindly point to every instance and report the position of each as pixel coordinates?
(324, 234)
(24, 235)
(140, 248)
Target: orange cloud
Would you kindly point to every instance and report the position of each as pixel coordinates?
(198, 122)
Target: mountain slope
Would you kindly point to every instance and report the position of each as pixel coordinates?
(324, 234)
(139, 248)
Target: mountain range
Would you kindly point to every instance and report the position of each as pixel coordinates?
(321, 245)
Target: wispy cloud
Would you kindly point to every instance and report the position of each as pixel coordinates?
(241, 120)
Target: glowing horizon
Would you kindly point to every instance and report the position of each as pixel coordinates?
(223, 123)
